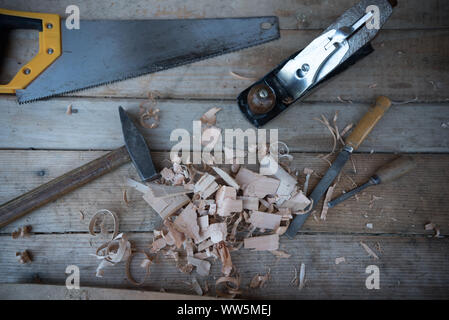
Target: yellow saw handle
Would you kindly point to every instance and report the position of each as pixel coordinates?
(49, 28)
(367, 123)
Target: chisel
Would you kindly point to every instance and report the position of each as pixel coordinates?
(389, 172)
(354, 140)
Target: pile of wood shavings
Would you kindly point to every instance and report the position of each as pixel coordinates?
(209, 213)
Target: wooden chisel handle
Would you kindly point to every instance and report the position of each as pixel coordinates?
(62, 185)
(367, 123)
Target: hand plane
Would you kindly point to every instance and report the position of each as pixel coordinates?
(343, 43)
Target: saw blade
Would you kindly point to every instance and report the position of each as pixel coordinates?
(101, 52)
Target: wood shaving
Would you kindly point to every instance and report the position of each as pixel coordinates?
(434, 227)
(146, 262)
(112, 252)
(196, 287)
(240, 77)
(280, 254)
(340, 260)
(210, 116)
(81, 215)
(22, 232)
(149, 113)
(268, 242)
(260, 281)
(328, 198)
(24, 257)
(368, 250)
(102, 214)
(202, 266)
(125, 197)
(231, 286)
(227, 178)
(373, 200)
(69, 110)
(225, 257)
(302, 276)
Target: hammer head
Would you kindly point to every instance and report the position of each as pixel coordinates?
(137, 148)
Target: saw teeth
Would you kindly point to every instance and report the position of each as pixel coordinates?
(134, 75)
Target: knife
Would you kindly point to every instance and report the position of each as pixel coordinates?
(354, 140)
(135, 149)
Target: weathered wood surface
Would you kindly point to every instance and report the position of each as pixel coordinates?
(410, 61)
(14, 291)
(410, 267)
(406, 64)
(406, 205)
(316, 14)
(413, 127)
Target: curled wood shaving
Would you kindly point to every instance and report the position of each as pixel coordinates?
(22, 232)
(240, 77)
(102, 213)
(259, 281)
(369, 251)
(431, 226)
(225, 258)
(69, 109)
(145, 264)
(112, 252)
(24, 257)
(231, 284)
(210, 116)
(125, 197)
(235, 226)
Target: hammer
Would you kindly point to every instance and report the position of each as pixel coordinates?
(135, 149)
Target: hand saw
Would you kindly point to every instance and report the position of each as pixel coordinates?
(101, 52)
(343, 43)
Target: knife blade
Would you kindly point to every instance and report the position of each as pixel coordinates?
(360, 132)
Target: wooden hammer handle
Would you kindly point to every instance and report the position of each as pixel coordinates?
(367, 123)
(62, 185)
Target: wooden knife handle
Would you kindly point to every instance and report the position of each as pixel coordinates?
(62, 185)
(367, 123)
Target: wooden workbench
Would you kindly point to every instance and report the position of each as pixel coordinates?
(39, 141)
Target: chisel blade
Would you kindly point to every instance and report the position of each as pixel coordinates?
(101, 52)
(320, 190)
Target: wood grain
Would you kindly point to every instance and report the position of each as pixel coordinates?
(60, 186)
(316, 14)
(405, 65)
(410, 267)
(406, 204)
(413, 127)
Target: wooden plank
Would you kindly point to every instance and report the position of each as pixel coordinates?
(406, 205)
(317, 14)
(413, 127)
(410, 267)
(405, 65)
(12, 291)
